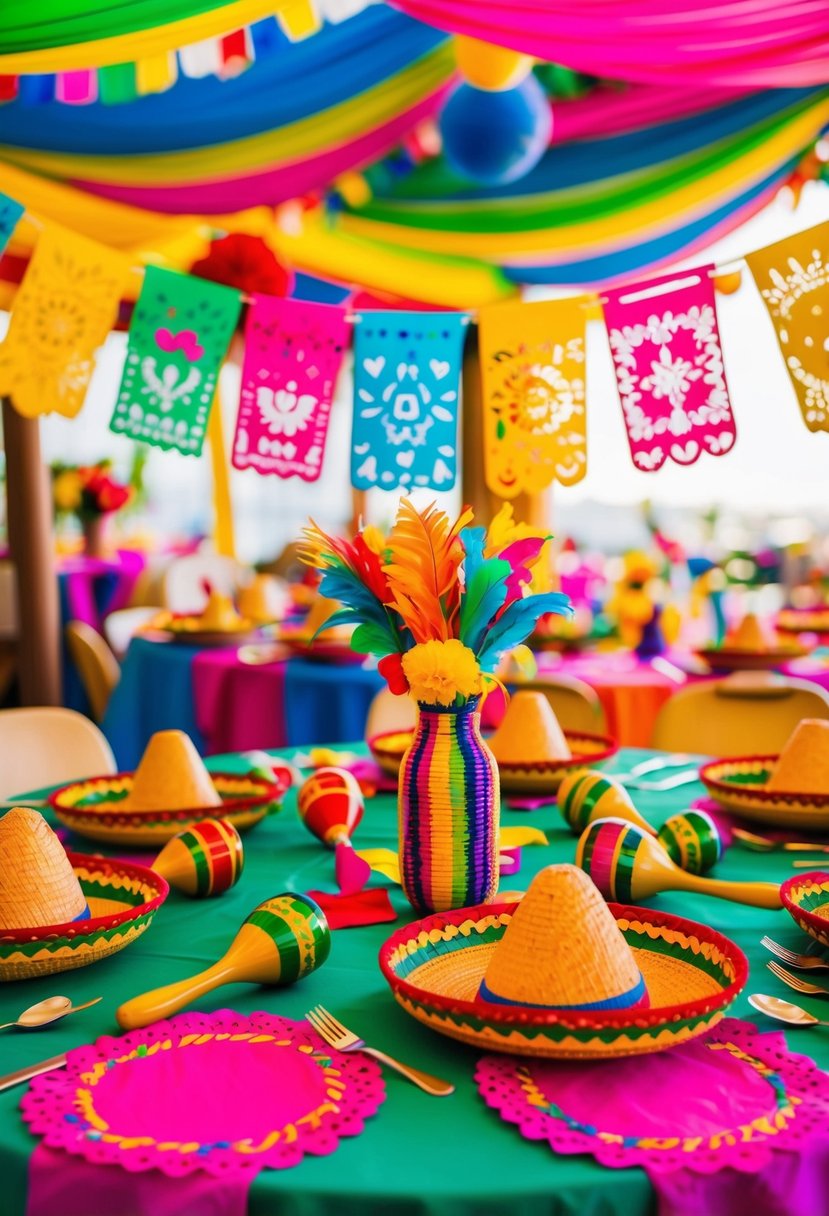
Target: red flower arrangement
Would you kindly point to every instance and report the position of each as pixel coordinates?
(246, 263)
(87, 491)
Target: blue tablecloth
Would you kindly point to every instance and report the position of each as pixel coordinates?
(324, 703)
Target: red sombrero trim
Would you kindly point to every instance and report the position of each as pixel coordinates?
(755, 791)
(512, 1015)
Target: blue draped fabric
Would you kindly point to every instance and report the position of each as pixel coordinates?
(155, 692)
(335, 65)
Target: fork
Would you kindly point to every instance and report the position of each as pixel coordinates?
(339, 1037)
(805, 962)
(796, 981)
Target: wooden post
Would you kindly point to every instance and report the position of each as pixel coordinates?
(535, 509)
(31, 540)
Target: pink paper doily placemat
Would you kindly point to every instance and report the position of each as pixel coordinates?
(732, 1098)
(221, 1093)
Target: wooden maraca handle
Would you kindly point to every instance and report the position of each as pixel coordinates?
(164, 1002)
(757, 894)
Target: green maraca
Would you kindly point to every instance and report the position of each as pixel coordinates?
(282, 940)
(586, 795)
(692, 840)
(628, 865)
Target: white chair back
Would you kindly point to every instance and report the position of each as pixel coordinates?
(49, 746)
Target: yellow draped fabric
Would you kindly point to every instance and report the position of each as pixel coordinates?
(297, 18)
(63, 312)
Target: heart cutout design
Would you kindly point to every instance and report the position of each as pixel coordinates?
(374, 366)
(439, 368)
(405, 459)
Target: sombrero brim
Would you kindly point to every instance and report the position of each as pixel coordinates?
(802, 895)
(806, 620)
(721, 659)
(91, 808)
(692, 974)
(538, 777)
(738, 784)
(122, 899)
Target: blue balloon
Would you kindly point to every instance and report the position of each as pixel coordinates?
(494, 138)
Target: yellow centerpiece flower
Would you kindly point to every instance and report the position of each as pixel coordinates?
(441, 672)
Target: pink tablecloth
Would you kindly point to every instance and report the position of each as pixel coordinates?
(238, 707)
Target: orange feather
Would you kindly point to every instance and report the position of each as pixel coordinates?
(424, 554)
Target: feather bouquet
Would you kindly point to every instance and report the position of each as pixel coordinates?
(438, 602)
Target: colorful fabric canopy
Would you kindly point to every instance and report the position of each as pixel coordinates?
(751, 43)
(291, 124)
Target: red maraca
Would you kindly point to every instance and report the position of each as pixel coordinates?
(330, 804)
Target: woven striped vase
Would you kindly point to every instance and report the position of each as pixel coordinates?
(449, 803)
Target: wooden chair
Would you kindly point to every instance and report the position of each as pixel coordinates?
(389, 712)
(746, 713)
(96, 664)
(49, 746)
(576, 704)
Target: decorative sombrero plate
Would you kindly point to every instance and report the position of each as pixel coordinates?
(803, 620)
(122, 899)
(806, 898)
(205, 638)
(543, 777)
(719, 658)
(91, 808)
(737, 784)
(692, 974)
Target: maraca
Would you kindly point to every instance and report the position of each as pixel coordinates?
(692, 840)
(206, 859)
(284, 939)
(586, 795)
(627, 864)
(330, 804)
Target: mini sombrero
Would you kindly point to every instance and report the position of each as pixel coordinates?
(123, 899)
(692, 974)
(219, 624)
(563, 950)
(748, 648)
(806, 898)
(173, 792)
(533, 752)
(789, 790)
(261, 600)
(170, 776)
(37, 883)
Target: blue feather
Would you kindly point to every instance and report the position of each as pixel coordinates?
(484, 595)
(518, 621)
(362, 606)
(473, 540)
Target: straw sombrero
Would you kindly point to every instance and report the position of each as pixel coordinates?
(806, 898)
(435, 967)
(803, 620)
(789, 790)
(563, 950)
(122, 899)
(171, 775)
(747, 648)
(37, 883)
(94, 809)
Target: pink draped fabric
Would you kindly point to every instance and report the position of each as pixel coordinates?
(238, 707)
(747, 43)
(273, 185)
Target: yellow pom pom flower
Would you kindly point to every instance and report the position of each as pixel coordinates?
(440, 672)
(66, 491)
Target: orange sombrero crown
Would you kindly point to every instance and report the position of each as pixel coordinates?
(529, 731)
(803, 765)
(563, 950)
(37, 883)
(171, 776)
(748, 635)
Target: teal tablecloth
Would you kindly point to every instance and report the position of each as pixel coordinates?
(420, 1156)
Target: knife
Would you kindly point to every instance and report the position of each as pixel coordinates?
(33, 1070)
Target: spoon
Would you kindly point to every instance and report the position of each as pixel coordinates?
(49, 1010)
(764, 844)
(783, 1011)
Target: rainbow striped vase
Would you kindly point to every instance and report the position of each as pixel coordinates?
(449, 803)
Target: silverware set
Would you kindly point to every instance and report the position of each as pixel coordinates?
(659, 764)
(785, 1011)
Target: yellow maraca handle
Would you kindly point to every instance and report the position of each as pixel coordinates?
(164, 1002)
(758, 894)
